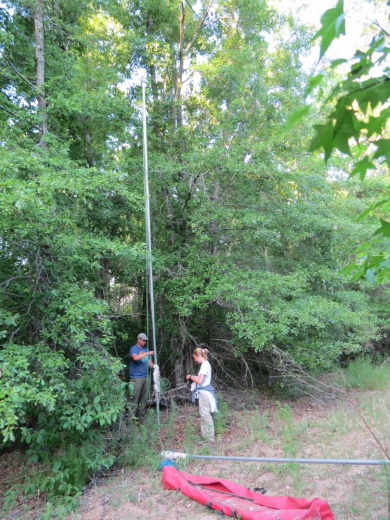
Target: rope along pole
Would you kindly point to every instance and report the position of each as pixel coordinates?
(149, 240)
(176, 455)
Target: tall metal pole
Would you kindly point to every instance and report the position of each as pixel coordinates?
(149, 239)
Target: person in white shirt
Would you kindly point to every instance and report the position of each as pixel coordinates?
(202, 389)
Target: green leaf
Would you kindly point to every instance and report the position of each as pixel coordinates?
(56, 465)
(336, 63)
(383, 150)
(385, 264)
(323, 139)
(340, 140)
(372, 92)
(372, 207)
(348, 269)
(361, 168)
(333, 26)
(376, 125)
(314, 82)
(296, 116)
(384, 229)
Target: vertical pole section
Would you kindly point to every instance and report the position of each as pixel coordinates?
(149, 240)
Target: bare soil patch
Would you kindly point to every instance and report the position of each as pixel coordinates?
(258, 427)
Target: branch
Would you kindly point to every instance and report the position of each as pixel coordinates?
(189, 194)
(19, 119)
(7, 282)
(198, 29)
(18, 73)
(370, 21)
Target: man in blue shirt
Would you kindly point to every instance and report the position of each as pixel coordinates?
(140, 359)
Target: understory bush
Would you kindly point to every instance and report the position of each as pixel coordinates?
(61, 415)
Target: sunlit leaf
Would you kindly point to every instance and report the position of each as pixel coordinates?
(361, 167)
(373, 92)
(383, 149)
(333, 26)
(323, 139)
(336, 63)
(314, 82)
(384, 229)
(296, 116)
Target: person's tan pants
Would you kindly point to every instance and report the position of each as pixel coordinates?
(206, 419)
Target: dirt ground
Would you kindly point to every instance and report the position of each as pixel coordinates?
(307, 428)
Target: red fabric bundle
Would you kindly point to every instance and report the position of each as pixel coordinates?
(237, 501)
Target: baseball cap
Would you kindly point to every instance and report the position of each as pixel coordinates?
(143, 336)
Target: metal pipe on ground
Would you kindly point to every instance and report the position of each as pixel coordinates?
(173, 455)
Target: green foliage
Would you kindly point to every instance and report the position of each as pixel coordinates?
(68, 227)
(255, 426)
(57, 416)
(358, 126)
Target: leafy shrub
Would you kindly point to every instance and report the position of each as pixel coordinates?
(60, 414)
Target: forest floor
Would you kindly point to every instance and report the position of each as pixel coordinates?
(253, 426)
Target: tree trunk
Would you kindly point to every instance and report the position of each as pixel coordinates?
(214, 198)
(179, 73)
(40, 66)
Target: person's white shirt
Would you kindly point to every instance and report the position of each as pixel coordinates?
(205, 369)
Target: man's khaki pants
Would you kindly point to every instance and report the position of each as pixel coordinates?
(139, 397)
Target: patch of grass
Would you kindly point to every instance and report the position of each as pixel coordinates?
(293, 430)
(10, 497)
(142, 445)
(364, 375)
(386, 486)
(366, 498)
(291, 434)
(190, 435)
(169, 426)
(339, 422)
(254, 424)
(53, 511)
(222, 418)
(290, 431)
(298, 482)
